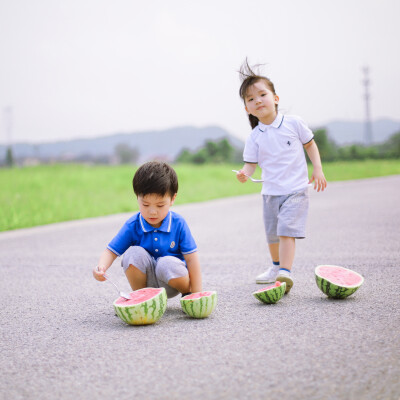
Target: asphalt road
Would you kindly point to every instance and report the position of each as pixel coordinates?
(60, 338)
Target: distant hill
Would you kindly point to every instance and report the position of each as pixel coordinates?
(165, 144)
(347, 132)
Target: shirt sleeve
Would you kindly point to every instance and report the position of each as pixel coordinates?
(304, 132)
(250, 152)
(187, 244)
(122, 241)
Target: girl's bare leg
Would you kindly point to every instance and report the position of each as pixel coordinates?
(274, 251)
(287, 249)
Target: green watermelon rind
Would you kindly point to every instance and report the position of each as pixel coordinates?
(271, 295)
(145, 313)
(201, 307)
(336, 291)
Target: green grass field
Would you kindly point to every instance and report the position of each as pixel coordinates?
(42, 195)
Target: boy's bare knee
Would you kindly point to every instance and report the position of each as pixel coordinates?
(136, 278)
(182, 284)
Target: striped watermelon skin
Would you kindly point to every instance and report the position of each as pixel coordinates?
(201, 306)
(270, 294)
(143, 313)
(334, 290)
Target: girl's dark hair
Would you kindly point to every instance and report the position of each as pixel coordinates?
(155, 177)
(249, 78)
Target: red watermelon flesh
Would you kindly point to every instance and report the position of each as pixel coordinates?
(138, 296)
(197, 295)
(341, 277)
(277, 284)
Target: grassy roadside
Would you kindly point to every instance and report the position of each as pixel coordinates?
(42, 195)
(349, 170)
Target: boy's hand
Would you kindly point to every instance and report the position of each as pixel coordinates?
(319, 180)
(99, 274)
(105, 261)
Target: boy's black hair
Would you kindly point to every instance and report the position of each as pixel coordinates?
(155, 177)
(249, 78)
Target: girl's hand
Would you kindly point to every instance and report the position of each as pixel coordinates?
(241, 176)
(247, 170)
(98, 274)
(319, 180)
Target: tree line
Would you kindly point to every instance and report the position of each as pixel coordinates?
(223, 152)
(330, 151)
(213, 152)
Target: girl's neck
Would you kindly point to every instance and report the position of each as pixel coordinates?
(268, 120)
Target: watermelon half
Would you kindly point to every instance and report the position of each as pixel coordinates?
(271, 294)
(337, 282)
(199, 305)
(145, 307)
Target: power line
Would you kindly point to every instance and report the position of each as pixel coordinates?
(8, 126)
(367, 124)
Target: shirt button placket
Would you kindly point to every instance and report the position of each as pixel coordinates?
(156, 240)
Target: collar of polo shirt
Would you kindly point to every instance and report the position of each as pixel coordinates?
(165, 226)
(276, 124)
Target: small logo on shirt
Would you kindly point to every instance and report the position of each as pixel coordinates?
(288, 143)
(172, 245)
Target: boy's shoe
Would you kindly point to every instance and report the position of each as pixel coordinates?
(285, 276)
(269, 276)
(186, 294)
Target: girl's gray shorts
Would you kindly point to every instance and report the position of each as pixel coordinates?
(159, 271)
(285, 215)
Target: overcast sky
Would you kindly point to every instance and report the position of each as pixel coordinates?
(84, 68)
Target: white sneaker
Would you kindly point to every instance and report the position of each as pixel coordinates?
(269, 276)
(285, 276)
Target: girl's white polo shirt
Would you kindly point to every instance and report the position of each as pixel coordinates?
(278, 150)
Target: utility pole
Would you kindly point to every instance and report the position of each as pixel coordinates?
(8, 122)
(367, 125)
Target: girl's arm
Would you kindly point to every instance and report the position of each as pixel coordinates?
(318, 175)
(193, 265)
(248, 169)
(105, 261)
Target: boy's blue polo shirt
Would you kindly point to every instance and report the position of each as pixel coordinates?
(172, 238)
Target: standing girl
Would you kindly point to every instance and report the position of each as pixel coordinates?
(276, 145)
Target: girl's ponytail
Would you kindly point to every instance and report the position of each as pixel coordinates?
(253, 121)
